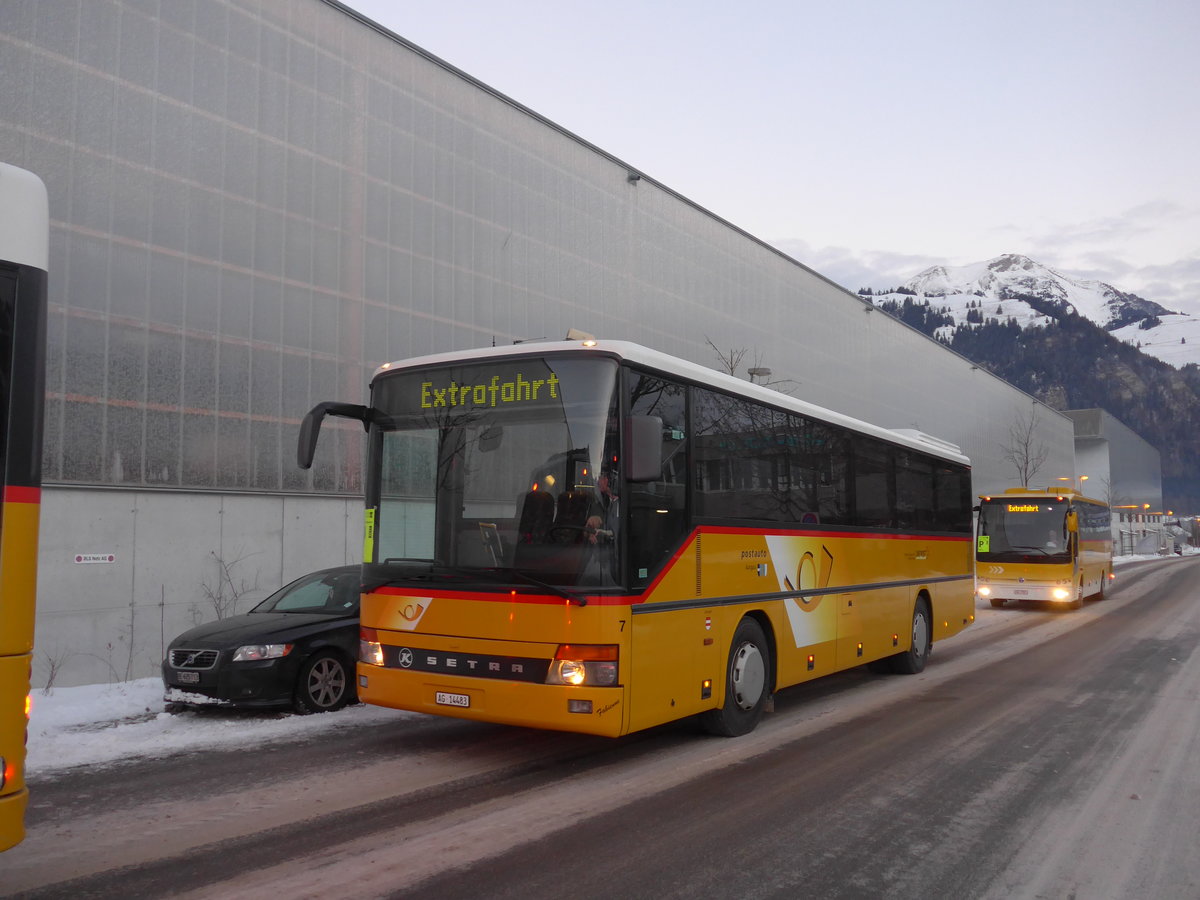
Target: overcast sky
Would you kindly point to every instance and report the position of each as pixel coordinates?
(870, 138)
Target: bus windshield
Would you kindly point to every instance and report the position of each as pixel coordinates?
(506, 465)
(1023, 530)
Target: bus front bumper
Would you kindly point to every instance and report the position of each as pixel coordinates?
(587, 710)
(1038, 593)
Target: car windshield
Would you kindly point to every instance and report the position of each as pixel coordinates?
(502, 465)
(334, 593)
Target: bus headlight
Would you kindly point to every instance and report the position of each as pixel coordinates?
(370, 651)
(584, 664)
(1061, 594)
(984, 591)
(572, 671)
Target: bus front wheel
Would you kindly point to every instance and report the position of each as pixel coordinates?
(747, 687)
(912, 661)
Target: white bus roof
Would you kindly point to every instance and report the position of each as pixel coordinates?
(671, 365)
(24, 227)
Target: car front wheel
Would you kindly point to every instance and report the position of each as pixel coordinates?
(324, 684)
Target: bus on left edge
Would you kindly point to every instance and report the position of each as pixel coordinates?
(24, 251)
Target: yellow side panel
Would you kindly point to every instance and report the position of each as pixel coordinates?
(18, 565)
(14, 688)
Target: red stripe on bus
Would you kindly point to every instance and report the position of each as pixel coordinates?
(16, 494)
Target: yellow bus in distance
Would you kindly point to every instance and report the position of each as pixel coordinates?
(1052, 546)
(593, 536)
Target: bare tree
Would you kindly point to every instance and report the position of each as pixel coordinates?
(731, 360)
(1024, 450)
(52, 662)
(224, 597)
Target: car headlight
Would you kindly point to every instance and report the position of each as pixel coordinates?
(253, 652)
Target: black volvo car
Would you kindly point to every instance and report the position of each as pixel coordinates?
(295, 649)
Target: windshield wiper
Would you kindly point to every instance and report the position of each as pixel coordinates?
(491, 573)
(552, 588)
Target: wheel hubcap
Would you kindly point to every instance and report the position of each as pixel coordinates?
(920, 634)
(748, 676)
(326, 682)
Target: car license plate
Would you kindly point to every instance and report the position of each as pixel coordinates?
(443, 698)
(187, 677)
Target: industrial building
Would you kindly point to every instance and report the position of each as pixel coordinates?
(257, 202)
(1116, 465)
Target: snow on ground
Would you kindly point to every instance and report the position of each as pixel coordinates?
(102, 724)
(105, 724)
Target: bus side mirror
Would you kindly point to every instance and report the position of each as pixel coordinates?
(643, 448)
(306, 444)
(1073, 522)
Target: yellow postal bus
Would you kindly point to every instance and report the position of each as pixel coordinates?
(596, 537)
(1049, 546)
(24, 248)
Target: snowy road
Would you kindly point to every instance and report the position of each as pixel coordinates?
(1040, 755)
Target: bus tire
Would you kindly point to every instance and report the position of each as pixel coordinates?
(912, 661)
(1100, 595)
(747, 687)
(325, 684)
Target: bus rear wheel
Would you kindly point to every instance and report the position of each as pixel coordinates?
(747, 686)
(912, 661)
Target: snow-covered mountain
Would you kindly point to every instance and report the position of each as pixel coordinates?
(1018, 288)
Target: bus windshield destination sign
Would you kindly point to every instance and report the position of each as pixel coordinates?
(519, 390)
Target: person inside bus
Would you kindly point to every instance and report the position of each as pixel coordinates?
(1052, 540)
(604, 518)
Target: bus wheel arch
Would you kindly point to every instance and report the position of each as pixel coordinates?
(912, 661)
(749, 676)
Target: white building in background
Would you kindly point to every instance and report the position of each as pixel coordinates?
(257, 202)
(1126, 471)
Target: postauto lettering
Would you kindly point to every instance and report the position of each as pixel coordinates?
(489, 394)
